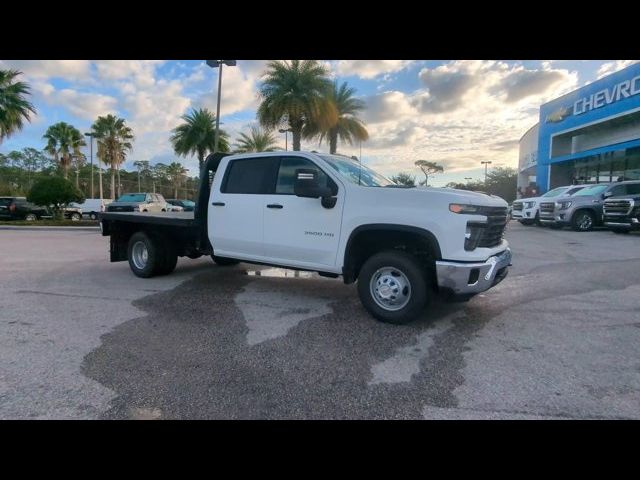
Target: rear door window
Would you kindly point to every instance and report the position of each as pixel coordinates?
(251, 176)
(5, 202)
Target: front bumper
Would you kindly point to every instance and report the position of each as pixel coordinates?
(622, 223)
(525, 214)
(471, 278)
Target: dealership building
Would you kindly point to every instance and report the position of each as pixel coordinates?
(591, 135)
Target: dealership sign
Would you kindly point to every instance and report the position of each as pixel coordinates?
(602, 98)
(625, 89)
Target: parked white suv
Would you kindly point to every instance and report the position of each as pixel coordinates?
(527, 210)
(92, 206)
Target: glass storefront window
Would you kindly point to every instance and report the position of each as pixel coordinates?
(608, 167)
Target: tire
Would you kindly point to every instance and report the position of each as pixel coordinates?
(168, 255)
(193, 256)
(31, 217)
(619, 230)
(526, 222)
(76, 217)
(389, 270)
(224, 262)
(583, 221)
(93, 216)
(144, 265)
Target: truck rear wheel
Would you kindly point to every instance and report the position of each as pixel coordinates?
(393, 287)
(144, 254)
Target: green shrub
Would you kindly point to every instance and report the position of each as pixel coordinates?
(56, 193)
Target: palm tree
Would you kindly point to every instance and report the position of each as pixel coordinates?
(348, 127)
(176, 174)
(258, 140)
(197, 135)
(14, 106)
(114, 139)
(294, 94)
(63, 142)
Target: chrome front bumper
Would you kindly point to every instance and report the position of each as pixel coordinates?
(471, 278)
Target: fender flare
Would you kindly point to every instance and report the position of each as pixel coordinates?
(422, 232)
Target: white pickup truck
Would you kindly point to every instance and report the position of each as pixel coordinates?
(328, 214)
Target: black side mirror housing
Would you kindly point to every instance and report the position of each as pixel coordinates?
(306, 185)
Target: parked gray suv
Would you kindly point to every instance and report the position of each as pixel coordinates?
(583, 210)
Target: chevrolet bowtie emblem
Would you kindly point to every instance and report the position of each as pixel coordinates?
(559, 115)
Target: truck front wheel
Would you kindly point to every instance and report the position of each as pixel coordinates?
(583, 221)
(145, 255)
(393, 287)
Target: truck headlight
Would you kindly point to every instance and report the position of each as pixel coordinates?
(563, 205)
(529, 204)
(461, 208)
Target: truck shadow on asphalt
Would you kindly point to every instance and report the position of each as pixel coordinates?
(229, 345)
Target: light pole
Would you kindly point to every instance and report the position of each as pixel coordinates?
(486, 164)
(90, 135)
(216, 64)
(285, 130)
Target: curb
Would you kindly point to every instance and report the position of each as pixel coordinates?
(52, 227)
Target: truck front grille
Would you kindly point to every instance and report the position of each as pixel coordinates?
(117, 208)
(493, 231)
(547, 207)
(517, 206)
(618, 207)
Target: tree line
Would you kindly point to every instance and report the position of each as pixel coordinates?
(501, 181)
(297, 96)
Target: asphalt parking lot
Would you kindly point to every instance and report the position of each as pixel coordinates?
(83, 338)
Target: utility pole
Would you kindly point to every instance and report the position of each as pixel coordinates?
(90, 135)
(218, 64)
(486, 164)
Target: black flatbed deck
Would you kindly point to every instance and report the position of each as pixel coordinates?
(174, 219)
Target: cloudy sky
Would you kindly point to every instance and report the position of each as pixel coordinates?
(457, 113)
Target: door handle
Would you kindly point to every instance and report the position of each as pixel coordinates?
(274, 205)
(217, 204)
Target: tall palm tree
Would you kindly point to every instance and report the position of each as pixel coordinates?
(294, 94)
(114, 139)
(258, 140)
(197, 135)
(14, 106)
(63, 142)
(348, 127)
(176, 174)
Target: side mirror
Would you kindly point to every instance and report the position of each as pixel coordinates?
(306, 185)
(606, 195)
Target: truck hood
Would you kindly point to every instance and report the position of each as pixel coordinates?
(451, 195)
(582, 199)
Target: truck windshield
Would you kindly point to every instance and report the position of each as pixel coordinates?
(589, 191)
(354, 172)
(555, 192)
(132, 197)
